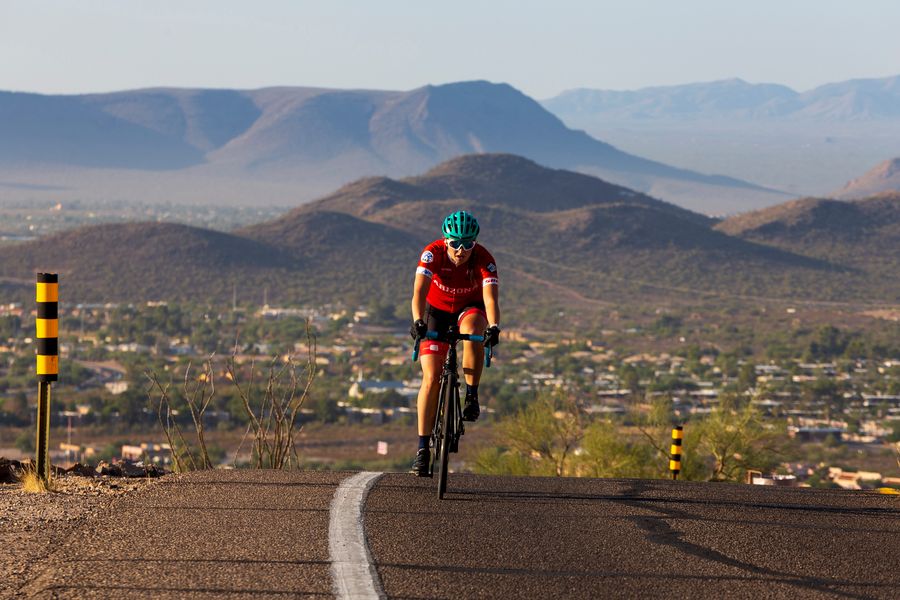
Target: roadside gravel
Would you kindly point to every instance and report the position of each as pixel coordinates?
(33, 525)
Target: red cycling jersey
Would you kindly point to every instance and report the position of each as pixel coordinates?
(451, 288)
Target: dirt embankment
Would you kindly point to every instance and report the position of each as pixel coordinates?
(32, 525)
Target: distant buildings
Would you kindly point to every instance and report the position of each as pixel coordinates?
(816, 434)
(857, 480)
(361, 387)
(149, 452)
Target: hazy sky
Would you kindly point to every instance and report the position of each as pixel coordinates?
(542, 48)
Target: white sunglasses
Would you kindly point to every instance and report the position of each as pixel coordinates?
(457, 244)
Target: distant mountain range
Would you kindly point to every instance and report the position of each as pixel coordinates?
(279, 146)
(805, 143)
(736, 99)
(563, 240)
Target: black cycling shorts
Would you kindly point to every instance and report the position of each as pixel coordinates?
(441, 320)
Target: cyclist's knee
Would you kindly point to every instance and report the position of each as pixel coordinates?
(430, 380)
(473, 323)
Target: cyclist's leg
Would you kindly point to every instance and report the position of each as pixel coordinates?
(472, 320)
(427, 408)
(428, 393)
(431, 356)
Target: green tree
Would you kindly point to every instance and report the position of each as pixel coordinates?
(325, 409)
(736, 440)
(504, 397)
(546, 433)
(856, 349)
(829, 342)
(655, 428)
(498, 461)
(606, 452)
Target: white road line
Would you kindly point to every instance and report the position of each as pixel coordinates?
(352, 571)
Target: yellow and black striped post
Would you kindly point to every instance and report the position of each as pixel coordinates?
(47, 324)
(675, 459)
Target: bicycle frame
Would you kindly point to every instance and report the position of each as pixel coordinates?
(448, 424)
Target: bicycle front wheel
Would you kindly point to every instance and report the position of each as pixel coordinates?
(436, 437)
(447, 425)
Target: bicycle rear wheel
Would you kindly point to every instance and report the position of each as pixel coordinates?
(447, 422)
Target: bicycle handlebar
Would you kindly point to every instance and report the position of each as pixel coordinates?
(471, 337)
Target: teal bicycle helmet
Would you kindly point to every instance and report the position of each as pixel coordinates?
(460, 225)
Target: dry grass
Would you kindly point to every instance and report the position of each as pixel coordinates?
(32, 484)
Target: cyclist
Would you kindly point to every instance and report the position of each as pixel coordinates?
(456, 283)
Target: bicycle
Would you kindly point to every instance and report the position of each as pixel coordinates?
(448, 423)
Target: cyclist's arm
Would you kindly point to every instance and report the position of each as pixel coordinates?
(420, 292)
(491, 295)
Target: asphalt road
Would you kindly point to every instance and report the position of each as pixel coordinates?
(575, 538)
(237, 534)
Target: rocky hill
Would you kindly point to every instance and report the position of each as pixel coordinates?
(605, 241)
(504, 179)
(885, 177)
(870, 221)
(862, 235)
(361, 243)
(144, 261)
